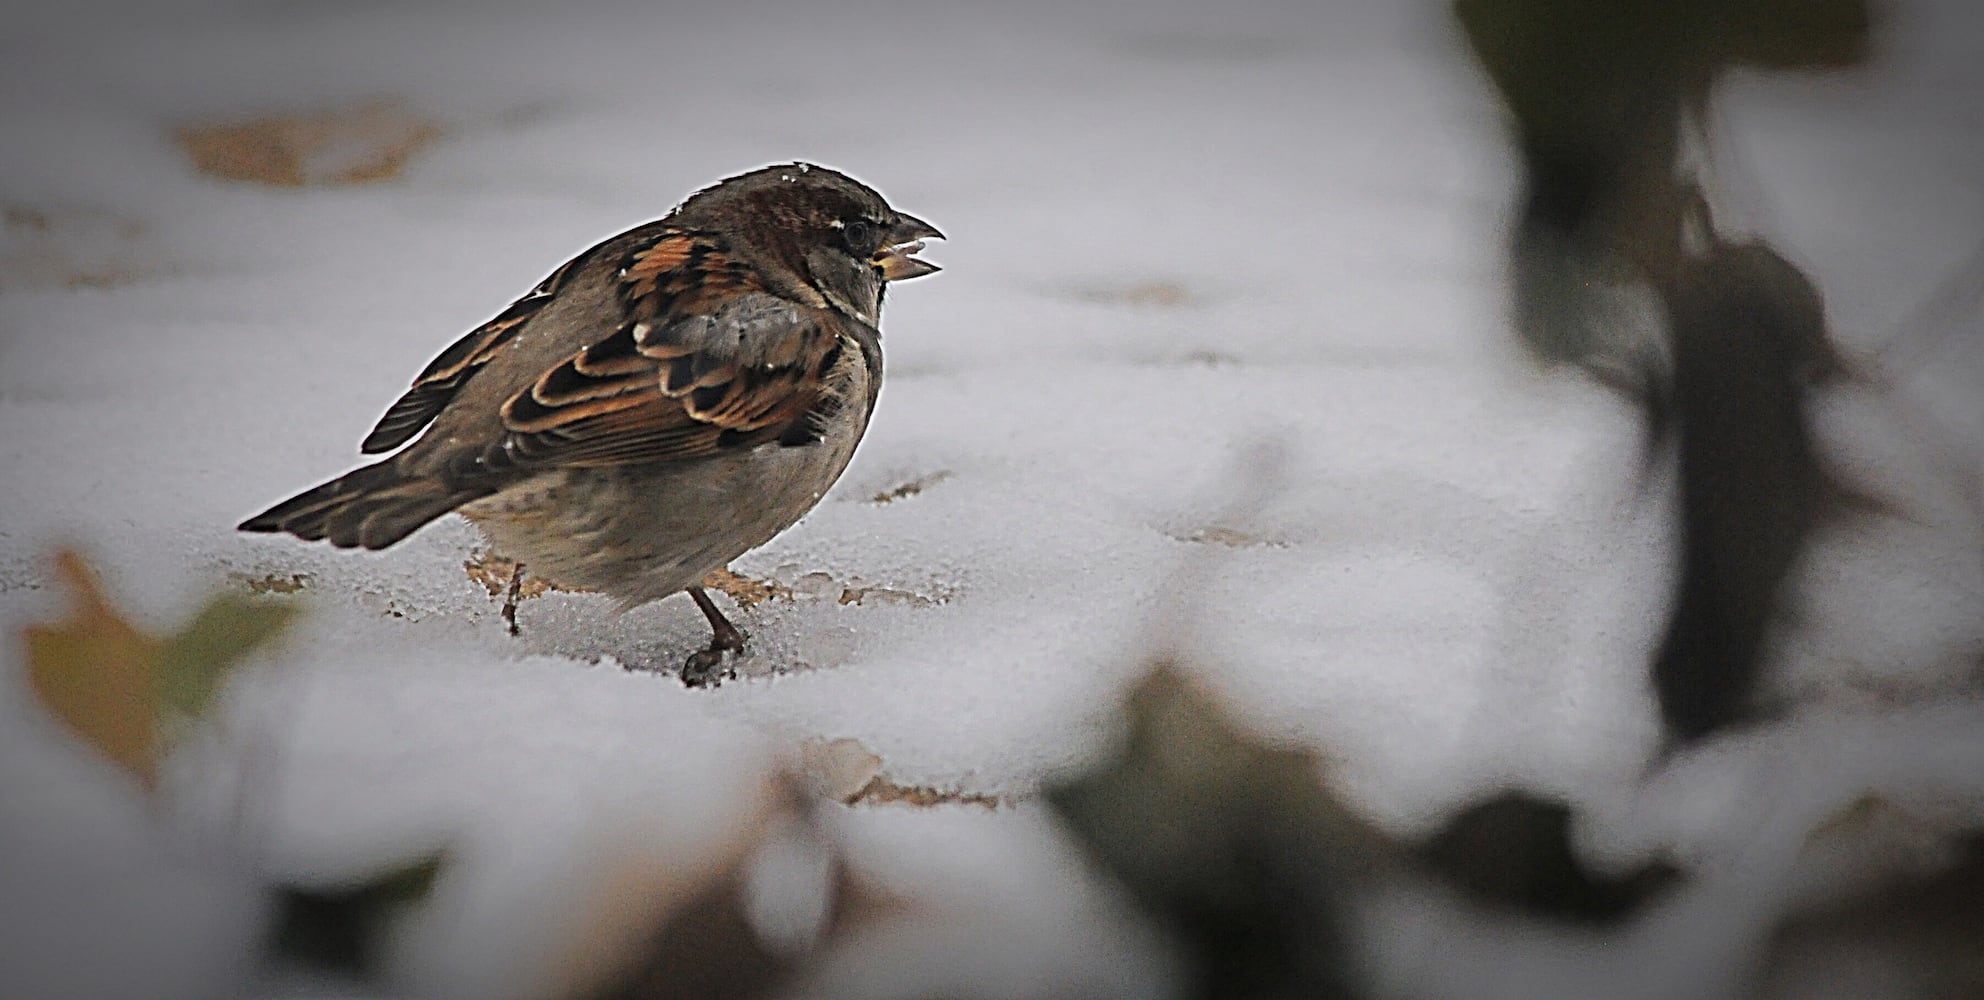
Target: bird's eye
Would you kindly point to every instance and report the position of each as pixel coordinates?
(863, 238)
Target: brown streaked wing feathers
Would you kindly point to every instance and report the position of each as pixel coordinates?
(443, 377)
(677, 387)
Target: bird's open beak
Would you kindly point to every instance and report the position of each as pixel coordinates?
(896, 260)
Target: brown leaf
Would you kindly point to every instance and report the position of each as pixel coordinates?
(493, 572)
(882, 791)
(911, 488)
(349, 145)
(274, 583)
(93, 671)
(746, 591)
(111, 683)
(1157, 292)
(658, 926)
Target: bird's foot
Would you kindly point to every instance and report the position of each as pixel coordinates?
(705, 667)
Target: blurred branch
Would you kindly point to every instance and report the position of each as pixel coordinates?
(1749, 338)
(1599, 93)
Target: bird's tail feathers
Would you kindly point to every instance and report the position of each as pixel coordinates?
(370, 507)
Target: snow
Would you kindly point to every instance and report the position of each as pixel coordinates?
(1217, 360)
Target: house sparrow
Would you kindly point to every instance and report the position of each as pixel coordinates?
(661, 404)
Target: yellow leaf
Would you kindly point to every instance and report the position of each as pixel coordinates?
(93, 671)
(110, 683)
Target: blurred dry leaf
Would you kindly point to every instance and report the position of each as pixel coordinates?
(93, 671)
(660, 926)
(274, 583)
(882, 791)
(1599, 95)
(910, 488)
(1156, 293)
(348, 145)
(1749, 340)
(115, 686)
(63, 245)
(682, 912)
(1234, 846)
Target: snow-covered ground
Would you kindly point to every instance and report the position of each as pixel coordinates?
(1219, 359)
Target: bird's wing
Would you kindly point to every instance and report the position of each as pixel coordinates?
(701, 361)
(436, 386)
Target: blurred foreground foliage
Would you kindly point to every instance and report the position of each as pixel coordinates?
(130, 696)
(1240, 851)
(1601, 97)
(661, 926)
(126, 693)
(1234, 846)
(657, 927)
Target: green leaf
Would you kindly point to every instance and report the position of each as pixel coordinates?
(192, 663)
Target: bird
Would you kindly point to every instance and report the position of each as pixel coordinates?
(659, 405)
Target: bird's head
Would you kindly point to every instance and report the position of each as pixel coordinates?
(818, 228)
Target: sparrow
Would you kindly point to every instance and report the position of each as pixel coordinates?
(659, 405)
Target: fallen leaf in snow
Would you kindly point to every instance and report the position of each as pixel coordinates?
(746, 591)
(275, 583)
(911, 488)
(493, 572)
(350, 145)
(882, 791)
(1158, 293)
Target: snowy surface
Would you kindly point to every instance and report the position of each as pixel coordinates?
(1218, 359)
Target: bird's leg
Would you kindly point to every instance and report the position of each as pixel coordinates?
(724, 637)
(510, 599)
(701, 667)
